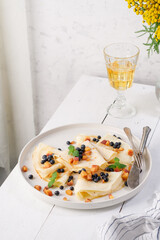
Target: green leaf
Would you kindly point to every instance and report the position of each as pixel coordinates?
(112, 166)
(71, 149)
(116, 160)
(75, 153)
(52, 179)
(146, 44)
(140, 31)
(117, 164)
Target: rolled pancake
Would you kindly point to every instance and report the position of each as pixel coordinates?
(39, 151)
(122, 155)
(89, 189)
(95, 159)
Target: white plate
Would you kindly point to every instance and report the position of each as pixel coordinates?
(57, 137)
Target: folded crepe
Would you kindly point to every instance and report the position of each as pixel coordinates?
(95, 159)
(122, 155)
(39, 151)
(89, 189)
(62, 179)
(107, 153)
(82, 138)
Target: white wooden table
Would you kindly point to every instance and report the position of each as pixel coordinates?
(23, 216)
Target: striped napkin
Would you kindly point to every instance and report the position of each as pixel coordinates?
(145, 226)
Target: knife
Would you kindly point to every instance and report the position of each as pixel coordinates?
(133, 178)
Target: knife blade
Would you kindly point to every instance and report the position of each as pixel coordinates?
(133, 177)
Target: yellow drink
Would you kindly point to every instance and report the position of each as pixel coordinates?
(120, 74)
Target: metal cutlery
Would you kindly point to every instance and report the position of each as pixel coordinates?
(133, 178)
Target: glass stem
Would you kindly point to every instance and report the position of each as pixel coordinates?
(120, 100)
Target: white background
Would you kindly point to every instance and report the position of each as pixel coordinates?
(67, 39)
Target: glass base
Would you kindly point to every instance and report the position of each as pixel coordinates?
(121, 111)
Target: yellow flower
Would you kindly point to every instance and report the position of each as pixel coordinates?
(150, 11)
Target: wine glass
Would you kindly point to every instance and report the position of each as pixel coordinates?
(121, 60)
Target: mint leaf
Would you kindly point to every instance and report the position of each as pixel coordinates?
(50, 184)
(116, 160)
(52, 179)
(71, 149)
(75, 153)
(117, 164)
(112, 166)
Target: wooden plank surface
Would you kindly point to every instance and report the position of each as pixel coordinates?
(87, 102)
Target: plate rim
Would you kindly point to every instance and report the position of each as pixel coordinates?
(83, 205)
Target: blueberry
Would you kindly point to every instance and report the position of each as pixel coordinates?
(102, 174)
(114, 135)
(56, 193)
(119, 138)
(79, 171)
(99, 137)
(50, 157)
(111, 144)
(30, 176)
(95, 180)
(78, 149)
(44, 157)
(59, 170)
(43, 161)
(95, 175)
(97, 140)
(61, 187)
(119, 143)
(80, 152)
(94, 139)
(62, 170)
(70, 178)
(84, 169)
(52, 161)
(111, 170)
(105, 179)
(99, 178)
(83, 146)
(114, 146)
(59, 149)
(106, 174)
(126, 184)
(118, 146)
(68, 143)
(71, 188)
(107, 169)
